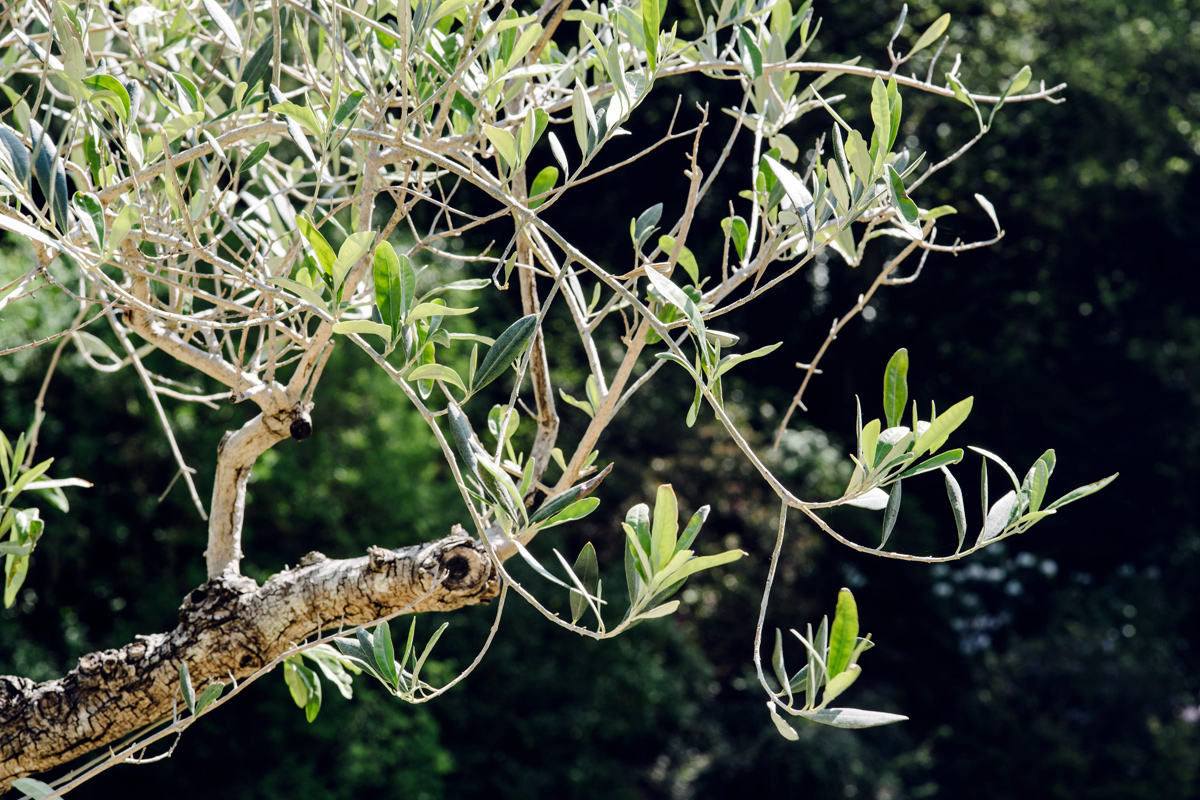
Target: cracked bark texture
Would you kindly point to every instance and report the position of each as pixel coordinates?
(229, 626)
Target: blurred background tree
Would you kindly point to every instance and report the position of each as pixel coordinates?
(1061, 664)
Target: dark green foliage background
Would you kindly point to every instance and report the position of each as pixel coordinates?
(1057, 666)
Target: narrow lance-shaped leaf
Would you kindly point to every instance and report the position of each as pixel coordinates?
(334, 668)
(1033, 488)
(1018, 82)
(779, 666)
(561, 502)
(997, 518)
(112, 91)
(408, 643)
(438, 372)
(18, 156)
(346, 108)
(583, 116)
(881, 115)
(437, 309)
(185, 686)
(891, 512)
(651, 17)
(843, 636)
(50, 174)
(785, 730)
(460, 430)
(544, 182)
(635, 565)
(256, 155)
(852, 717)
(941, 428)
(1081, 492)
(801, 198)
(428, 651)
(937, 462)
(990, 456)
(509, 346)
(677, 297)
(385, 652)
(321, 249)
(224, 23)
(739, 233)
(665, 527)
(577, 510)
(505, 144)
(358, 651)
(692, 529)
(752, 54)
(256, 66)
(931, 34)
(963, 96)
(560, 155)
(293, 117)
(587, 569)
(698, 564)
(210, 693)
(388, 289)
(868, 441)
(350, 253)
(641, 228)
(909, 213)
(666, 609)
(983, 488)
(895, 387)
(305, 293)
(92, 217)
(638, 521)
(840, 683)
(954, 492)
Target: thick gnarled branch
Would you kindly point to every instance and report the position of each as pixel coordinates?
(228, 628)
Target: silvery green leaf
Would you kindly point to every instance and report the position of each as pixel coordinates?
(874, 500)
(998, 518)
(852, 717)
(956, 505)
(785, 730)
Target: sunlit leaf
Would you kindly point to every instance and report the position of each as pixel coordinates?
(931, 34)
(998, 517)
(436, 372)
(664, 530)
(224, 23)
(544, 182)
(361, 326)
(940, 429)
(1081, 492)
(320, 247)
(353, 249)
(874, 500)
(505, 144)
(895, 387)
(852, 717)
(785, 730)
(843, 635)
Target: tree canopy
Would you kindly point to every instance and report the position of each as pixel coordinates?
(218, 155)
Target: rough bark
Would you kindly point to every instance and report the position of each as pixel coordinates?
(229, 627)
